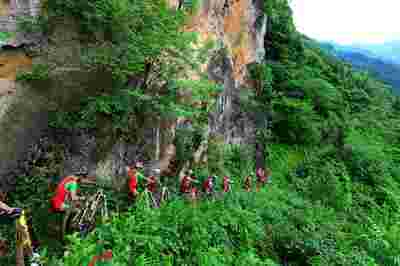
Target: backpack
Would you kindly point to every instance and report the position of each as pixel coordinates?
(53, 182)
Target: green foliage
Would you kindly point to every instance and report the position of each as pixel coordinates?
(38, 72)
(191, 5)
(244, 228)
(296, 122)
(33, 25)
(140, 40)
(284, 43)
(215, 155)
(154, 236)
(324, 95)
(263, 77)
(187, 140)
(233, 160)
(4, 35)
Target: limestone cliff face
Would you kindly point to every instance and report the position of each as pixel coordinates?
(236, 26)
(239, 25)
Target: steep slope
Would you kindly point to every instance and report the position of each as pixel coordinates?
(385, 71)
(237, 31)
(141, 80)
(332, 143)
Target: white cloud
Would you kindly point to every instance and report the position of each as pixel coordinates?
(348, 21)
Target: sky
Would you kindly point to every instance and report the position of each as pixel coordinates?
(348, 21)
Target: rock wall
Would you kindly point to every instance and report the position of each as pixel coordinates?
(24, 111)
(239, 27)
(27, 141)
(236, 26)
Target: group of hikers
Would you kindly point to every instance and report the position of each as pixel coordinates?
(190, 186)
(66, 192)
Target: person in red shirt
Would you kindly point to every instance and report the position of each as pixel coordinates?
(227, 184)
(208, 185)
(105, 257)
(261, 178)
(66, 193)
(134, 175)
(185, 185)
(186, 182)
(151, 184)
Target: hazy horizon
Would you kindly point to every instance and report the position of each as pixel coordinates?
(360, 22)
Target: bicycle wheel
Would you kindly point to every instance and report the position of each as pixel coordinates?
(66, 224)
(149, 199)
(153, 201)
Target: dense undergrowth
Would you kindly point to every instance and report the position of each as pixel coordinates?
(332, 142)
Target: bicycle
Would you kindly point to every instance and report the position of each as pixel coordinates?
(149, 199)
(156, 202)
(165, 195)
(83, 220)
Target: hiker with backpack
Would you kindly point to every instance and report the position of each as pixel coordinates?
(263, 176)
(186, 182)
(66, 194)
(151, 184)
(134, 174)
(208, 185)
(247, 184)
(227, 184)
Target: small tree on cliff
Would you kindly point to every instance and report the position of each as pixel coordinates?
(143, 46)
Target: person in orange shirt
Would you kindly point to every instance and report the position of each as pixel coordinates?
(248, 183)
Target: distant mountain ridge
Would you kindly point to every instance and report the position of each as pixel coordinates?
(364, 59)
(387, 51)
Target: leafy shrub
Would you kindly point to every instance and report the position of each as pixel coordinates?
(38, 72)
(176, 231)
(33, 25)
(326, 181)
(295, 122)
(4, 35)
